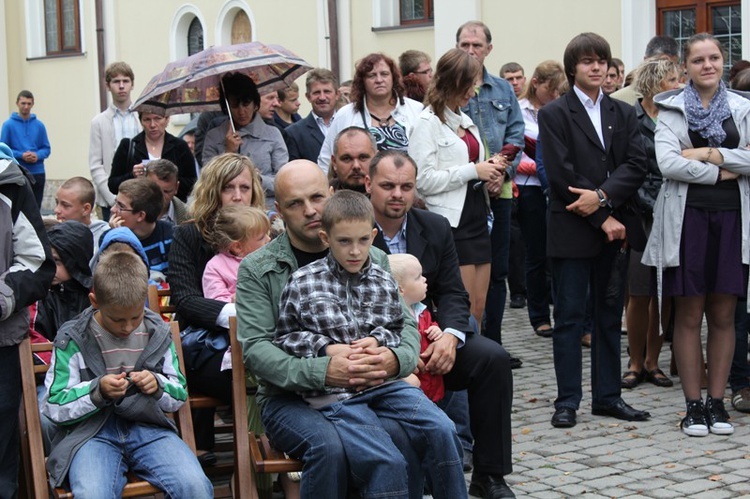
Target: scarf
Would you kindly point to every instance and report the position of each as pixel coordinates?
(707, 122)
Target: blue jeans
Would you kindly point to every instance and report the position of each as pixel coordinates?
(571, 278)
(532, 218)
(153, 453)
(10, 400)
(375, 463)
(500, 237)
(739, 375)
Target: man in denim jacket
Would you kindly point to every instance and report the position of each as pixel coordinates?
(495, 111)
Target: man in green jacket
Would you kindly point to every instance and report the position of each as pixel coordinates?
(301, 192)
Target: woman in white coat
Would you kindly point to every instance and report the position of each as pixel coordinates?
(453, 176)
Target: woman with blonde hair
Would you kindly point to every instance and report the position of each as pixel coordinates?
(642, 314)
(228, 179)
(453, 176)
(531, 202)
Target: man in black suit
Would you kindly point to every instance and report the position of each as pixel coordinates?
(595, 163)
(467, 361)
(305, 137)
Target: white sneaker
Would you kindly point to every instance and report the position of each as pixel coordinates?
(717, 417)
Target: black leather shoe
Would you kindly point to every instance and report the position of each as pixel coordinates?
(517, 301)
(489, 487)
(565, 417)
(621, 410)
(515, 362)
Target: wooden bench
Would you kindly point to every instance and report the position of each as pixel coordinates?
(32, 449)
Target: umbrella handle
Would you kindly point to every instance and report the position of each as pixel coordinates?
(226, 102)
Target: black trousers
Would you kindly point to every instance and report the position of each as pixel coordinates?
(482, 368)
(208, 380)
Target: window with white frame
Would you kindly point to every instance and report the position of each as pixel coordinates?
(62, 27)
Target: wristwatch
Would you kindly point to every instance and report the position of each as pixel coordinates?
(602, 200)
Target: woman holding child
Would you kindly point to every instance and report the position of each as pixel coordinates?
(701, 225)
(228, 180)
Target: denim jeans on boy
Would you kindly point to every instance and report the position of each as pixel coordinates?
(10, 399)
(155, 454)
(303, 432)
(375, 462)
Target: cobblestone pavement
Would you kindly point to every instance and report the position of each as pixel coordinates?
(606, 458)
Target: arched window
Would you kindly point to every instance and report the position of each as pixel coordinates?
(242, 32)
(195, 37)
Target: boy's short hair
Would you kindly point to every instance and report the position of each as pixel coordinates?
(346, 205)
(401, 264)
(511, 67)
(145, 196)
(118, 246)
(83, 186)
(116, 69)
(409, 61)
(26, 94)
(121, 278)
(585, 44)
(281, 93)
(165, 170)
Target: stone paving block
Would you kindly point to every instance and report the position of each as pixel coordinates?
(665, 494)
(714, 494)
(642, 484)
(692, 487)
(609, 481)
(616, 492)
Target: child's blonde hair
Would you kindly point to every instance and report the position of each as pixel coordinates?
(401, 264)
(235, 223)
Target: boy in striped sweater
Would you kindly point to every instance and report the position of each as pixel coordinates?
(114, 374)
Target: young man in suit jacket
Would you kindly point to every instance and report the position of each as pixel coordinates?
(305, 137)
(466, 360)
(595, 163)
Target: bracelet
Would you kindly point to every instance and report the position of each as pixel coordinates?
(708, 156)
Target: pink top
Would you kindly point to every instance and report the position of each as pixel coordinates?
(220, 277)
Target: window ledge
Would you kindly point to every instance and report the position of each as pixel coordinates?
(405, 27)
(63, 55)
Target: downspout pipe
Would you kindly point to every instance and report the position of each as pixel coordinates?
(99, 15)
(333, 36)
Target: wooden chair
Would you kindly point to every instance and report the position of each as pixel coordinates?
(159, 301)
(250, 449)
(32, 449)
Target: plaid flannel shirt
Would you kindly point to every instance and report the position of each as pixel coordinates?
(322, 304)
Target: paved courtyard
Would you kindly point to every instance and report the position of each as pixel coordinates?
(606, 458)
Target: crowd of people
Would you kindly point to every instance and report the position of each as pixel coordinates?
(367, 250)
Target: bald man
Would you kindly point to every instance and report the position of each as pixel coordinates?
(301, 190)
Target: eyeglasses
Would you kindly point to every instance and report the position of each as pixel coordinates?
(121, 207)
(424, 72)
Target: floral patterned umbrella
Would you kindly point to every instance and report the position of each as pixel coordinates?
(192, 84)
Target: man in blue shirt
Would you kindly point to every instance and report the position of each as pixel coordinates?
(27, 138)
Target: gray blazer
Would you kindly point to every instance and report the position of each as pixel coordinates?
(102, 146)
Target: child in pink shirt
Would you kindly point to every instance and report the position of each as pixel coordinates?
(238, 231)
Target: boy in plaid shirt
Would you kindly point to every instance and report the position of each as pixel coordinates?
(343, 302)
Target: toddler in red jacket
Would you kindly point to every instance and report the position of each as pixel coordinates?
(412, 285)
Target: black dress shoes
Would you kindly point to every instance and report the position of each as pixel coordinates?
(489, 487)
(621, 410)
(565, 417)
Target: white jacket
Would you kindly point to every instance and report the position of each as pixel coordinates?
(443, 166)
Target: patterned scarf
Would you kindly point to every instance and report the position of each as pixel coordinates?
(707, 122)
